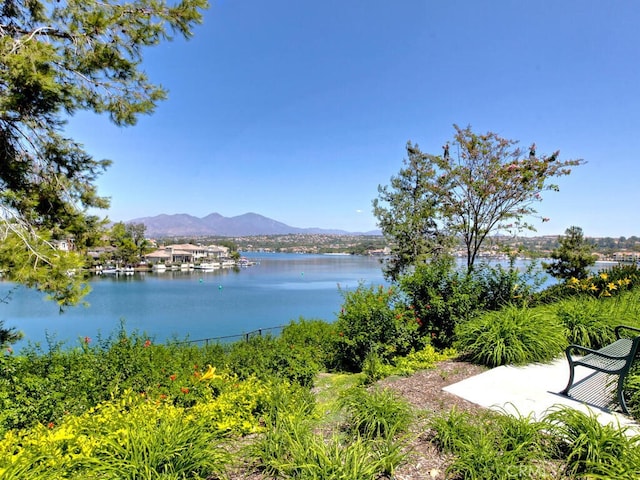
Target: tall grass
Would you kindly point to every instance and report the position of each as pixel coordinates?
(513, 335)
(293, 445)
(593, 450)
(490, 445)
(590, 321)
(377, 413)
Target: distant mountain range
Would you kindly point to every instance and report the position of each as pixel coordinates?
(214, 224)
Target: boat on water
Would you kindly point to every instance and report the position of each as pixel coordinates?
(207, 266)
(159, 267)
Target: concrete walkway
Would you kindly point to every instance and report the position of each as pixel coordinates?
(534, 389)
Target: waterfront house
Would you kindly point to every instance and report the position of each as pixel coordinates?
(187, 253)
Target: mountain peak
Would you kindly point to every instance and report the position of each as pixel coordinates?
(214, 224)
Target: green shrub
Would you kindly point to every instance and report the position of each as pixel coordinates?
(423, 359)
(316, 336)
(491, 445)
(500, 286)
(290, 447)
(441, 297)
(267, 356)
(632, 391)
(373, 319)
(513, 335)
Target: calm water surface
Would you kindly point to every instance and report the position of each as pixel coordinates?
(197, 305)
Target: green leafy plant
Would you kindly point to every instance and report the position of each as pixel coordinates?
(316, 336)
(268, 356)
(375, 413)
(441, 298)
(290, 447)
(500, 286)
(588, 321)
(491, 445)
(591, 449)
(513, 335)
(373, 319)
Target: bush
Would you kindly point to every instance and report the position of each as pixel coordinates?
(290, 448)
(513, 335)
(316, 336)
(373, 319)
(267, 356)
(499, 286)
(491, 445)
(140, 436)
(441, 297)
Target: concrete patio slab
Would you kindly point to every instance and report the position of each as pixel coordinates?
(534, 389)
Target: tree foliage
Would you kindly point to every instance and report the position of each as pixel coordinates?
(57, 59)
(129, 241)
(490, 184)
(407, 213)
(573, 257)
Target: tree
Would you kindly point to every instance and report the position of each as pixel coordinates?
(489, 185)
(573, 257)
(129, 241)
(407, 213)
(492, 185)
(57, 59)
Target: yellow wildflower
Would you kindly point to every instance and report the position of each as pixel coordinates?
(612, 286)
(604, 276)
(574, 280)
(210, 374)
(593, 288)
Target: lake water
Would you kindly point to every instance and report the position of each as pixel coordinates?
(196, 304)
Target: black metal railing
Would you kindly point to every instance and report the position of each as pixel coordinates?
(230, 338)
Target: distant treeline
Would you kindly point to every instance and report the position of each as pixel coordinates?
(364, 244)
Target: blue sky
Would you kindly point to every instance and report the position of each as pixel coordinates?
(298, 110)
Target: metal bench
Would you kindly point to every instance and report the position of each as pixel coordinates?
(614, 359)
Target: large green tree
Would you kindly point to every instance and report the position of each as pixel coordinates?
(129, 241)
(56, 58)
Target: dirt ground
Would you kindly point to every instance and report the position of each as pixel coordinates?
(423, 390)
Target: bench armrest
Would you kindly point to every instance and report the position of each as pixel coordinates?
(592, 351)
(625, 327)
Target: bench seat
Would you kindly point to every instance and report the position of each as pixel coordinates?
(614, 359)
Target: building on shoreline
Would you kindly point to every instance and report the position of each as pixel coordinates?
(187, 253)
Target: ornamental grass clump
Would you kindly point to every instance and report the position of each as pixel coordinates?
(588, 321)
(590, 449)
(513, 335)
(297, 444)
(376, 413)
(491, 445)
